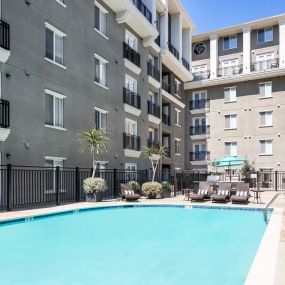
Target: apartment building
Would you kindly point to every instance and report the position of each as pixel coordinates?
(236, 100)
(120, 66)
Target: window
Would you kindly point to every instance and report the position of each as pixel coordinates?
(61, 2)
(177, 117)
(131, 40)
(230, 94)
(52, 163)
(101, 119)
(265, 35)
(230, 67)
(54, 44)
(131, 84)
(100, 19)
(131, 127)
(266, 118)
(200, 72)
(54, 108)
(266, 147)
(177, 88)
(265, 90)
(230, 42)
(230, 149)
(177, 146)
(100, 70)
(230, 121)
(131, 171)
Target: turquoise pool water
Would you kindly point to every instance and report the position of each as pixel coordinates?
(138, 245)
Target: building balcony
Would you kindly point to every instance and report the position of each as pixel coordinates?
(153, 143)
(153, 75)
(200, 132)
(167, 151)
(265, 65)
(132, 58)
(173, 50)
(166, 87)
(131, 145)
(4, 41)
(136, 15)
(153, 112)
(185, 63)
(132, 102)
(201, 75)
(199, 157)
(157, 40)
(230, 71)
(4, 119)
(199, 106)
(166, 119)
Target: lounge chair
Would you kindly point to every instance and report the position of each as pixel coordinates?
(128, 193)
(242, 193)
(223, 194)
(202, 193)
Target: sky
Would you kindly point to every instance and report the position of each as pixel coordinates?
(209, 15)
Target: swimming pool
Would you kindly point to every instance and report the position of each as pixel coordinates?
(132, 245)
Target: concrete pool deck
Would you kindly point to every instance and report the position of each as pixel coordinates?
(263, 268)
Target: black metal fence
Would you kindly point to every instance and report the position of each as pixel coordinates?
(4, 35)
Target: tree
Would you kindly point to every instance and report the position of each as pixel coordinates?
(247, 169)
(96, 141)
(154, 154)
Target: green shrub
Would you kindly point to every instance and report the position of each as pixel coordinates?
(165, 185)
(94, 185)
(135, 186)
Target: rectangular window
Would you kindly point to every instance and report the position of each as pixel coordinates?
(131, 40)
(266, 118)
(230, 149)
(230, 94)
(265, 90)
(54, 44)
(100, 18)
(230, 121)
(265, 35)
(101, 119)
(266, 147)
(101, 70)
(52, 163)
(131, 127)
(54, 108)
(177, 146)
(177, 117)
(230, 42)
(131, 84)
(177, 88)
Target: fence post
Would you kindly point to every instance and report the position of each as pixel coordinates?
(146, 176)
(175, 183)
(77, 185)
(115, 182)
(276, 180)
(8, 181)
(57, 169)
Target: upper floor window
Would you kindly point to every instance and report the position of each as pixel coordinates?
(100, 70)
(131, 84)
(266, 119)
(61, 2)
(231, 149)
(178, 117)
(230, 42)
(230, 121)
(265, 90)
(131, 40)
(54, 44)
(177, 88)
(100, 18)
(131, 127)
(230, 94)
(101, 119)
(265, 35)
(265, 147)
(53, 162)
(177, 146)
(54, 108)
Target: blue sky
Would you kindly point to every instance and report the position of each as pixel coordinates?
(214, 14)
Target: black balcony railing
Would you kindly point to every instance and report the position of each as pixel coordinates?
(153, 71)
(200, 156)
(166, 119)
(173, 50)
(167, 151)
(201, 75)
(131, 98)
(4, 114)
(199, 104)
(199, 130)
(130, 54)
(143, 9)
(229, 71)
(186, 63)
(166, 86)
(157, 40)
(131, 142)
(265, 65)
(4, 35)
(153, 143)
(153, 109)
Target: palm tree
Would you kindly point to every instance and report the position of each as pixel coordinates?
(154, 154)
(96, 141)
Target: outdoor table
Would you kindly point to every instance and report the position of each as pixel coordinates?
(256, 197)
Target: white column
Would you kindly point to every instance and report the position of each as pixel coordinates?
(186, 44)
(246, 49)
(164, 29)
(282, 43)
(213, 55)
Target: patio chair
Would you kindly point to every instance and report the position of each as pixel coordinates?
(223, 194)
(128, 193)
(202, 193)
(242, 193)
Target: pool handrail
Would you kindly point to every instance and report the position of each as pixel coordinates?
(265, 211)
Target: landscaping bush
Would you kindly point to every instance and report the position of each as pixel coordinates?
(135, 186)
(94, 185)
(152, 189)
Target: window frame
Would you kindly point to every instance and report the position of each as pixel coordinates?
(230, 88)
(230, 116)
(264, 29)
(104, 11)
(177, 146)
(177, 117)
(230, 37)
(265, 83)
(266, 125)
(61, 2)
(231, 143)
(130, 35)
(177, 83)
(102, 61)
(101, 112)
(265, 153)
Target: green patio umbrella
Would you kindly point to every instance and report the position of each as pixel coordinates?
(229, 161)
